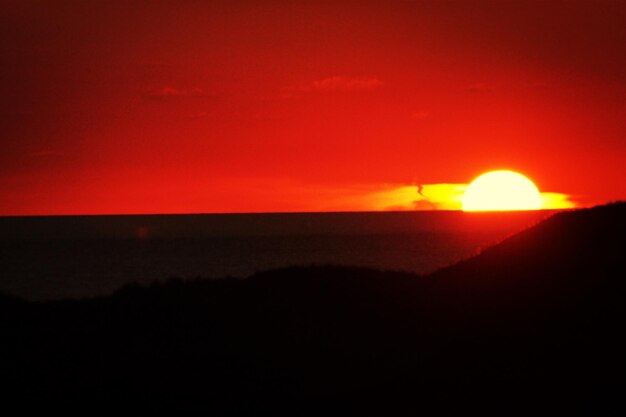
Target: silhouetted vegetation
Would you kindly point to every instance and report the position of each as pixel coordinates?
(532, 326)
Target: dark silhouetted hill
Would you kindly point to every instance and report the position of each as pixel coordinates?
(531, 326)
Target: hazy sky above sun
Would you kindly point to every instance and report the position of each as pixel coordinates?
(247, 106)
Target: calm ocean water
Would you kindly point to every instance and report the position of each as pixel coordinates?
(81, 256)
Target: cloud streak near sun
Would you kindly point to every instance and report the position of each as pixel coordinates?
(297, 196)
(442, 196)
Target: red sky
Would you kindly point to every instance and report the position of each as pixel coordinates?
(231, 106)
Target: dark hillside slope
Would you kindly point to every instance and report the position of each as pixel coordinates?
(573, 260)
(552, 298)
(531, 326)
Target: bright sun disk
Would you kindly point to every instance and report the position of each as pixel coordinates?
(501, 191)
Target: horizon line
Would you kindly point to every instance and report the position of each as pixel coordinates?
(294, 212)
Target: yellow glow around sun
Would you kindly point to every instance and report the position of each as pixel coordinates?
(501, 191)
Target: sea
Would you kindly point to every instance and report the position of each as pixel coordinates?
(55, 257)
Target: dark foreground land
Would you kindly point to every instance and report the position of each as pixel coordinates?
(532, 326)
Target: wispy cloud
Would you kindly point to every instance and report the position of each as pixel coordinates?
(538, 85)
(335, 83)
(338, 83)
(480, 87)
(420, 115)
(173, 92)
(486, 87)
(47, 153)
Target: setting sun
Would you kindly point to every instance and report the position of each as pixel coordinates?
(501, 191)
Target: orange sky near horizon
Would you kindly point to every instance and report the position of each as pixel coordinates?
(275, 106)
